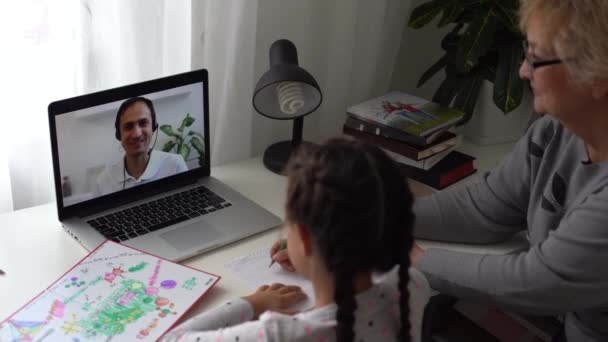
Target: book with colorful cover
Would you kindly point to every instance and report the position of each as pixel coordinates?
(115, 293)
(408, 113)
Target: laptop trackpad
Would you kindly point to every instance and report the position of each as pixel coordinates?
(199, 234)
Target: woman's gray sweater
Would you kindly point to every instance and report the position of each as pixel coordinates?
(547, 187)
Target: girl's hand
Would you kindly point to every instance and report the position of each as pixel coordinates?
(280, 255)
(275, 297)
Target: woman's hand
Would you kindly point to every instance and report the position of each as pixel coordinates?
(415, 253)
(280, 255)
(275, 297)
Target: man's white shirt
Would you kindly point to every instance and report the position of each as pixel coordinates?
(161, 164)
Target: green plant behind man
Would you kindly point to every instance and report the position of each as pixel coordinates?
(182, 145)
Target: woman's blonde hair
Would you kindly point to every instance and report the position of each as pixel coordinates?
(580, 28)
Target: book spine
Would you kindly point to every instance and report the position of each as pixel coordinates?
(391, 145)
(456, 174)
(438, 180)
(384, 131)
(423, 164)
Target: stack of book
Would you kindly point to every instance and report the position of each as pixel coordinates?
(416, 133)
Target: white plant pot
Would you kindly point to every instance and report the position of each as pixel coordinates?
(489, 125)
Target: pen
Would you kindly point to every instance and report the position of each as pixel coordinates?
(282, 246)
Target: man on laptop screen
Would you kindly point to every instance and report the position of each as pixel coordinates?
(137, 162)
(134, 126)
(130, 142)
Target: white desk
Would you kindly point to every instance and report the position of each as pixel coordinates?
(35, 251)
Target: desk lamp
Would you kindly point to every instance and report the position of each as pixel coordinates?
(285, 92)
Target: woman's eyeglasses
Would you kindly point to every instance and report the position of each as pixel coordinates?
(535, 64)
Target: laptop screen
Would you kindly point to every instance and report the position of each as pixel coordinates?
(123, 144)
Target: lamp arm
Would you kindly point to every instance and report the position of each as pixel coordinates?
(296, 135)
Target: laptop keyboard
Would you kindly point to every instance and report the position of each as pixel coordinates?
(148, 217)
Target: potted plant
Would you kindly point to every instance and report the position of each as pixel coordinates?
(485, 44)
(180, 144)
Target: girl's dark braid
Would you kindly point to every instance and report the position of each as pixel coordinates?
(404, 298)
(345, 300)
(342, 192)
(399, 223)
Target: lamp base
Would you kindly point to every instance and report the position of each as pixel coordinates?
(276, 155)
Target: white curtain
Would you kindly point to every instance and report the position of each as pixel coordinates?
(37, 61)
(57, 49)
(134, 40)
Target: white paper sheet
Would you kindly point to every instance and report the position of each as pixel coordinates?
(253, 270)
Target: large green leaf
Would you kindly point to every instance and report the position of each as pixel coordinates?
(184, 150)
(450, 41)
(512, 5)
(477, 40)
(508, 87)
(451, 13)
(169, 145)
(467, 95)
(489, 72)
(447, 90)
(198, 145)
(168, 130)
(435, 68)
(187, 122)
(488, 64)
(472, 3)
(191, 133)
(507, 15)
(426, 12)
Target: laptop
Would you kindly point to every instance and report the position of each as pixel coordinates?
(131, 164)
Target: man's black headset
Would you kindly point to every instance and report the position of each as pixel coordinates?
(123, 107)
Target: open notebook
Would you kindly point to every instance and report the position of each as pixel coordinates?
(115, 293)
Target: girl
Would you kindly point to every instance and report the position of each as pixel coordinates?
(348, 214)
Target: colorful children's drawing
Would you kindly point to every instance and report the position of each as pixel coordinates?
(116, 272)
(138, 267)
(117, 298)
(24, 330)
(56, 310)
(189, 284)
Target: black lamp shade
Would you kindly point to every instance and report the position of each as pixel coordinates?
(285, 92)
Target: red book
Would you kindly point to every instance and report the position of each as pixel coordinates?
(454, 167)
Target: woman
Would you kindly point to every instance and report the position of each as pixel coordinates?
(554, 184)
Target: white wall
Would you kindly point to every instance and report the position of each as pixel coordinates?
(85, 138)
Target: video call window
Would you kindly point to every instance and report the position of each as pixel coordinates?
(123, 144)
